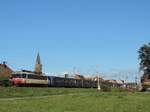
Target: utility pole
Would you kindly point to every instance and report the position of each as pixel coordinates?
(98, 84)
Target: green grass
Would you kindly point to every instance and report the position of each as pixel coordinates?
(89, 101)
(10, 92)
(3, 78)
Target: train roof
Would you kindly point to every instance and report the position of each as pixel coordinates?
(21, 72)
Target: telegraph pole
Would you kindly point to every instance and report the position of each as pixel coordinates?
(98, 84)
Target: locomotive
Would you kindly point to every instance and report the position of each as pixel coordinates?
(30, 79)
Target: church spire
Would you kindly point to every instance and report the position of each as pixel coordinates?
(38, 65)
(38, 60)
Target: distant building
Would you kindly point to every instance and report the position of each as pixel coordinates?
(116, 81)
(38, 65)
(36, 71)
(96, 79)
(5, 71)
(79, 77)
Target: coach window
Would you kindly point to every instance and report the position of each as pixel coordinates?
(23, 75)
(29, 76)
(34, 77)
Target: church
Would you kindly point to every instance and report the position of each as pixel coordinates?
(38, 65)
(37, 68)
(6, 71)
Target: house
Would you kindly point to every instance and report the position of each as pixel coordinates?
(5, 71)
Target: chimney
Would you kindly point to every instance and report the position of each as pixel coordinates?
(4, 63)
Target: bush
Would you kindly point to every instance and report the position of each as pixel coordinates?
(118, 89)
(105, 87)
(4, 81)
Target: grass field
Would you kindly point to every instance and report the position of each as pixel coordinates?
(72, 100)
(11, 92)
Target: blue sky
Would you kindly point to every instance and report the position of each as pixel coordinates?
(69, 34)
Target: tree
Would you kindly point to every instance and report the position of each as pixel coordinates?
(144, 56)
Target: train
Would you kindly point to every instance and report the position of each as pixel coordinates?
(27, 79)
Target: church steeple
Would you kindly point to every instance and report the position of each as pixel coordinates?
(38, 60)
(38, 65)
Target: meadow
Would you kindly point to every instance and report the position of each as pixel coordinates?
(72, 100)
(13, 92)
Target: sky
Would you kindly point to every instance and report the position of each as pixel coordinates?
(74, 35)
